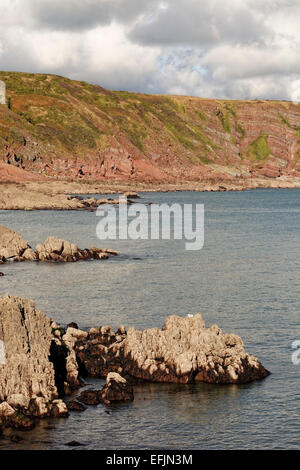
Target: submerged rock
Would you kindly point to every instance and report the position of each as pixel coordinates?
(20, 421)
(74, 444)
(74, 405)
(90, 397)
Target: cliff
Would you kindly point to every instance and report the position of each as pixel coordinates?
(27, 377)
(56, 127)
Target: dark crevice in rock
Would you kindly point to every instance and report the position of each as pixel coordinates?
(82, 370)
(22, 311)
(58, 357)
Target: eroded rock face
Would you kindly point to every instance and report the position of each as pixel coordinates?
(27, 377)
(183, 351)
(98, 354)
(11, 244)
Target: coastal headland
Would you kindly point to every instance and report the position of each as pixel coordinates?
(60, 137)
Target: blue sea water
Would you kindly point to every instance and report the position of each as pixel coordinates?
(246, 279)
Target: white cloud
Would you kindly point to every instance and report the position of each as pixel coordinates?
(237, 49)
(229, 62)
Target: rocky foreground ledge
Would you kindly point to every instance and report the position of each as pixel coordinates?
(41, 362)
(14, 248)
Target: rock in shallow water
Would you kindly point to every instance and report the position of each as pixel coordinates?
(41, 361)
(90, 397)
(116, 389)
(20, 421)
(75, 405)
(74, 444)
(183, 351)
(54, 249)
(58, 250)
(11, 244)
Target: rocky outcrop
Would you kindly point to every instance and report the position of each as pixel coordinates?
(131, 195)
(13, 247)
(59, 250)
(98, 354)
(90, 397)
(75, 405)
(117, 388)
(41, 362)
(11, 244)
(183, 351)
(27, 377)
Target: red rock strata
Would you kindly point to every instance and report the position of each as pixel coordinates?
(59, 128)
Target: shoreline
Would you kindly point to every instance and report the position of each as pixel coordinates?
(59, 195)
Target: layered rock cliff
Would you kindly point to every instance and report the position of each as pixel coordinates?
(27, 377)
(56, 127)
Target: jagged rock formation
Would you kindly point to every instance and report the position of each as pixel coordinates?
(183, 351)
(27, 377)
(43, 361)
(59, 250)
(98, 354)
(13, 246)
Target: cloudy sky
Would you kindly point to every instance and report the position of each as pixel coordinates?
(208, 48)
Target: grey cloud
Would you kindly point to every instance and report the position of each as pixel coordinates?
(202, 24)
(236, 49)
(78, 15)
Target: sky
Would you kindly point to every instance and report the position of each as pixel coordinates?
(237, 49)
